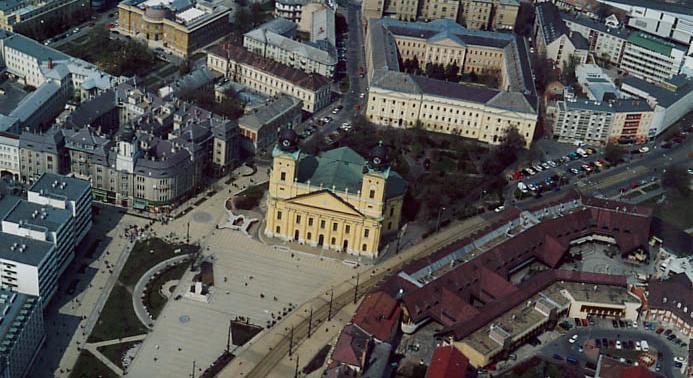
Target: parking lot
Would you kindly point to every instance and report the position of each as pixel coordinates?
(628, 342)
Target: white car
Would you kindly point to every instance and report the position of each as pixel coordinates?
(644, 149)
(530, 171)
(645, 347)
(634, 324)
(573, 339)
(637, 346)
(552, 164)
(362, 95)
(679, 359)
(521, 185)
(499, 209)
(537, 167)
(618, 344)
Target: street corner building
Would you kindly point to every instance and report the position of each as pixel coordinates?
(337, 200)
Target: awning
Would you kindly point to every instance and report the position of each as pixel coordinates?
(140, 204)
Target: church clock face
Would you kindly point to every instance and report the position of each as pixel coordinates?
(376, 160)
(286, 143)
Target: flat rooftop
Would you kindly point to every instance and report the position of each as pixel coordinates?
(37, 217)
(23, 250)
(60, 187)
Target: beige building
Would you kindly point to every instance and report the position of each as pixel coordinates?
(337, 200)
(178, 27)
(541, 312)
(261, 126)
(269, 77)
(403, 100)
(26, 16)
(489, 14)
(554, 40)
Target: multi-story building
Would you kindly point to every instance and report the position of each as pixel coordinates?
(293, 9)
(403, 100)
(489, 14)
(40, 153)
(9, 154)
(28, 265)
(602, 122)
(670, 302)
(67, 193)
(180, 27)
(652, 58)
(554, 40)
(666, 19)
(274, 40)
(22, 332)
(261, 126)
(23, 16)
(43, 223)
(269, 77)
(605, 42)
(337, 200)
(57, 78)
(671, 99)
(473, 14)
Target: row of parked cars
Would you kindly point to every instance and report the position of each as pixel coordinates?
(540, 166)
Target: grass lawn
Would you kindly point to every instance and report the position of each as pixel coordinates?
(153, 299)
(118, 318)
(115, 352)
(145, 255)
(88, 366)
(675, 209)
(241, 333)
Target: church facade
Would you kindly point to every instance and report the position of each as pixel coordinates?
(336, 200)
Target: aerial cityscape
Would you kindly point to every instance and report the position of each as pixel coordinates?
(346, 188)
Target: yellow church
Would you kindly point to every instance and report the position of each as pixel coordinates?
(336, 200)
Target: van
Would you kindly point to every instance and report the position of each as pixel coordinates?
(645, 347)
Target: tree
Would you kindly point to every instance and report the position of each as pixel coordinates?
(505, 154)
(675, 177)
(451, 72)
(568, 73)
(613, 152)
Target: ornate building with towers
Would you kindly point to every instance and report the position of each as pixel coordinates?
(336, 200)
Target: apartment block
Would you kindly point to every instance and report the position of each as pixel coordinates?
(665, 19)
(67, 193)
(22, 16)
(261, 126)
(605, 42)
(180, 27)
(9, 153)
(269, 77)
(274, 40)
(652, 58)
(22, 332)
(554, 40)
(604, 122)
(489, 14)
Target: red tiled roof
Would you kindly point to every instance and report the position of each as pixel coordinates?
(611, 368)
(351, 347)
(447, 362)
(378, 315)
(677, 289)
(293, 75)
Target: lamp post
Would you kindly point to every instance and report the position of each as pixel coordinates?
(440, 211)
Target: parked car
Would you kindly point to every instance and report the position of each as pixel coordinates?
(557, 357)
(618, 344)
(644, 149)
(573, 339)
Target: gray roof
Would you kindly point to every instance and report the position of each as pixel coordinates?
(665, 97)
(33, 253)
(61, 187)
(454, 90)
(592, 24)
(9, 4)
(16, 309)
(302, 49)
(613, 106)
(37, 99)
(198, 78)
(32, 48)
(579, 41)
(89, 111)
(513, 101)
(280, 26)
(550, 21)
(38, 217)
(682, 7)
(385, 56)
(276, 107)
(50, 141)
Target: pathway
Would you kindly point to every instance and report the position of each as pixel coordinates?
(93, 348)
(141, 285)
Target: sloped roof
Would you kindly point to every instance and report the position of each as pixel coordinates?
(550, 21)
(447, 362)
(513, 101)
(378, 314)
(352, 343)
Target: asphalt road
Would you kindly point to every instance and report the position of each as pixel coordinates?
(609, 182)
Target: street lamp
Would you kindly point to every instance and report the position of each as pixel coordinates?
(440, 210)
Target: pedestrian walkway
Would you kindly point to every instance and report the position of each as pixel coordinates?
(138, 293)
(93, 349)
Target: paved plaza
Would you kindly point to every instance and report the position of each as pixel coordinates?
(255, 275)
